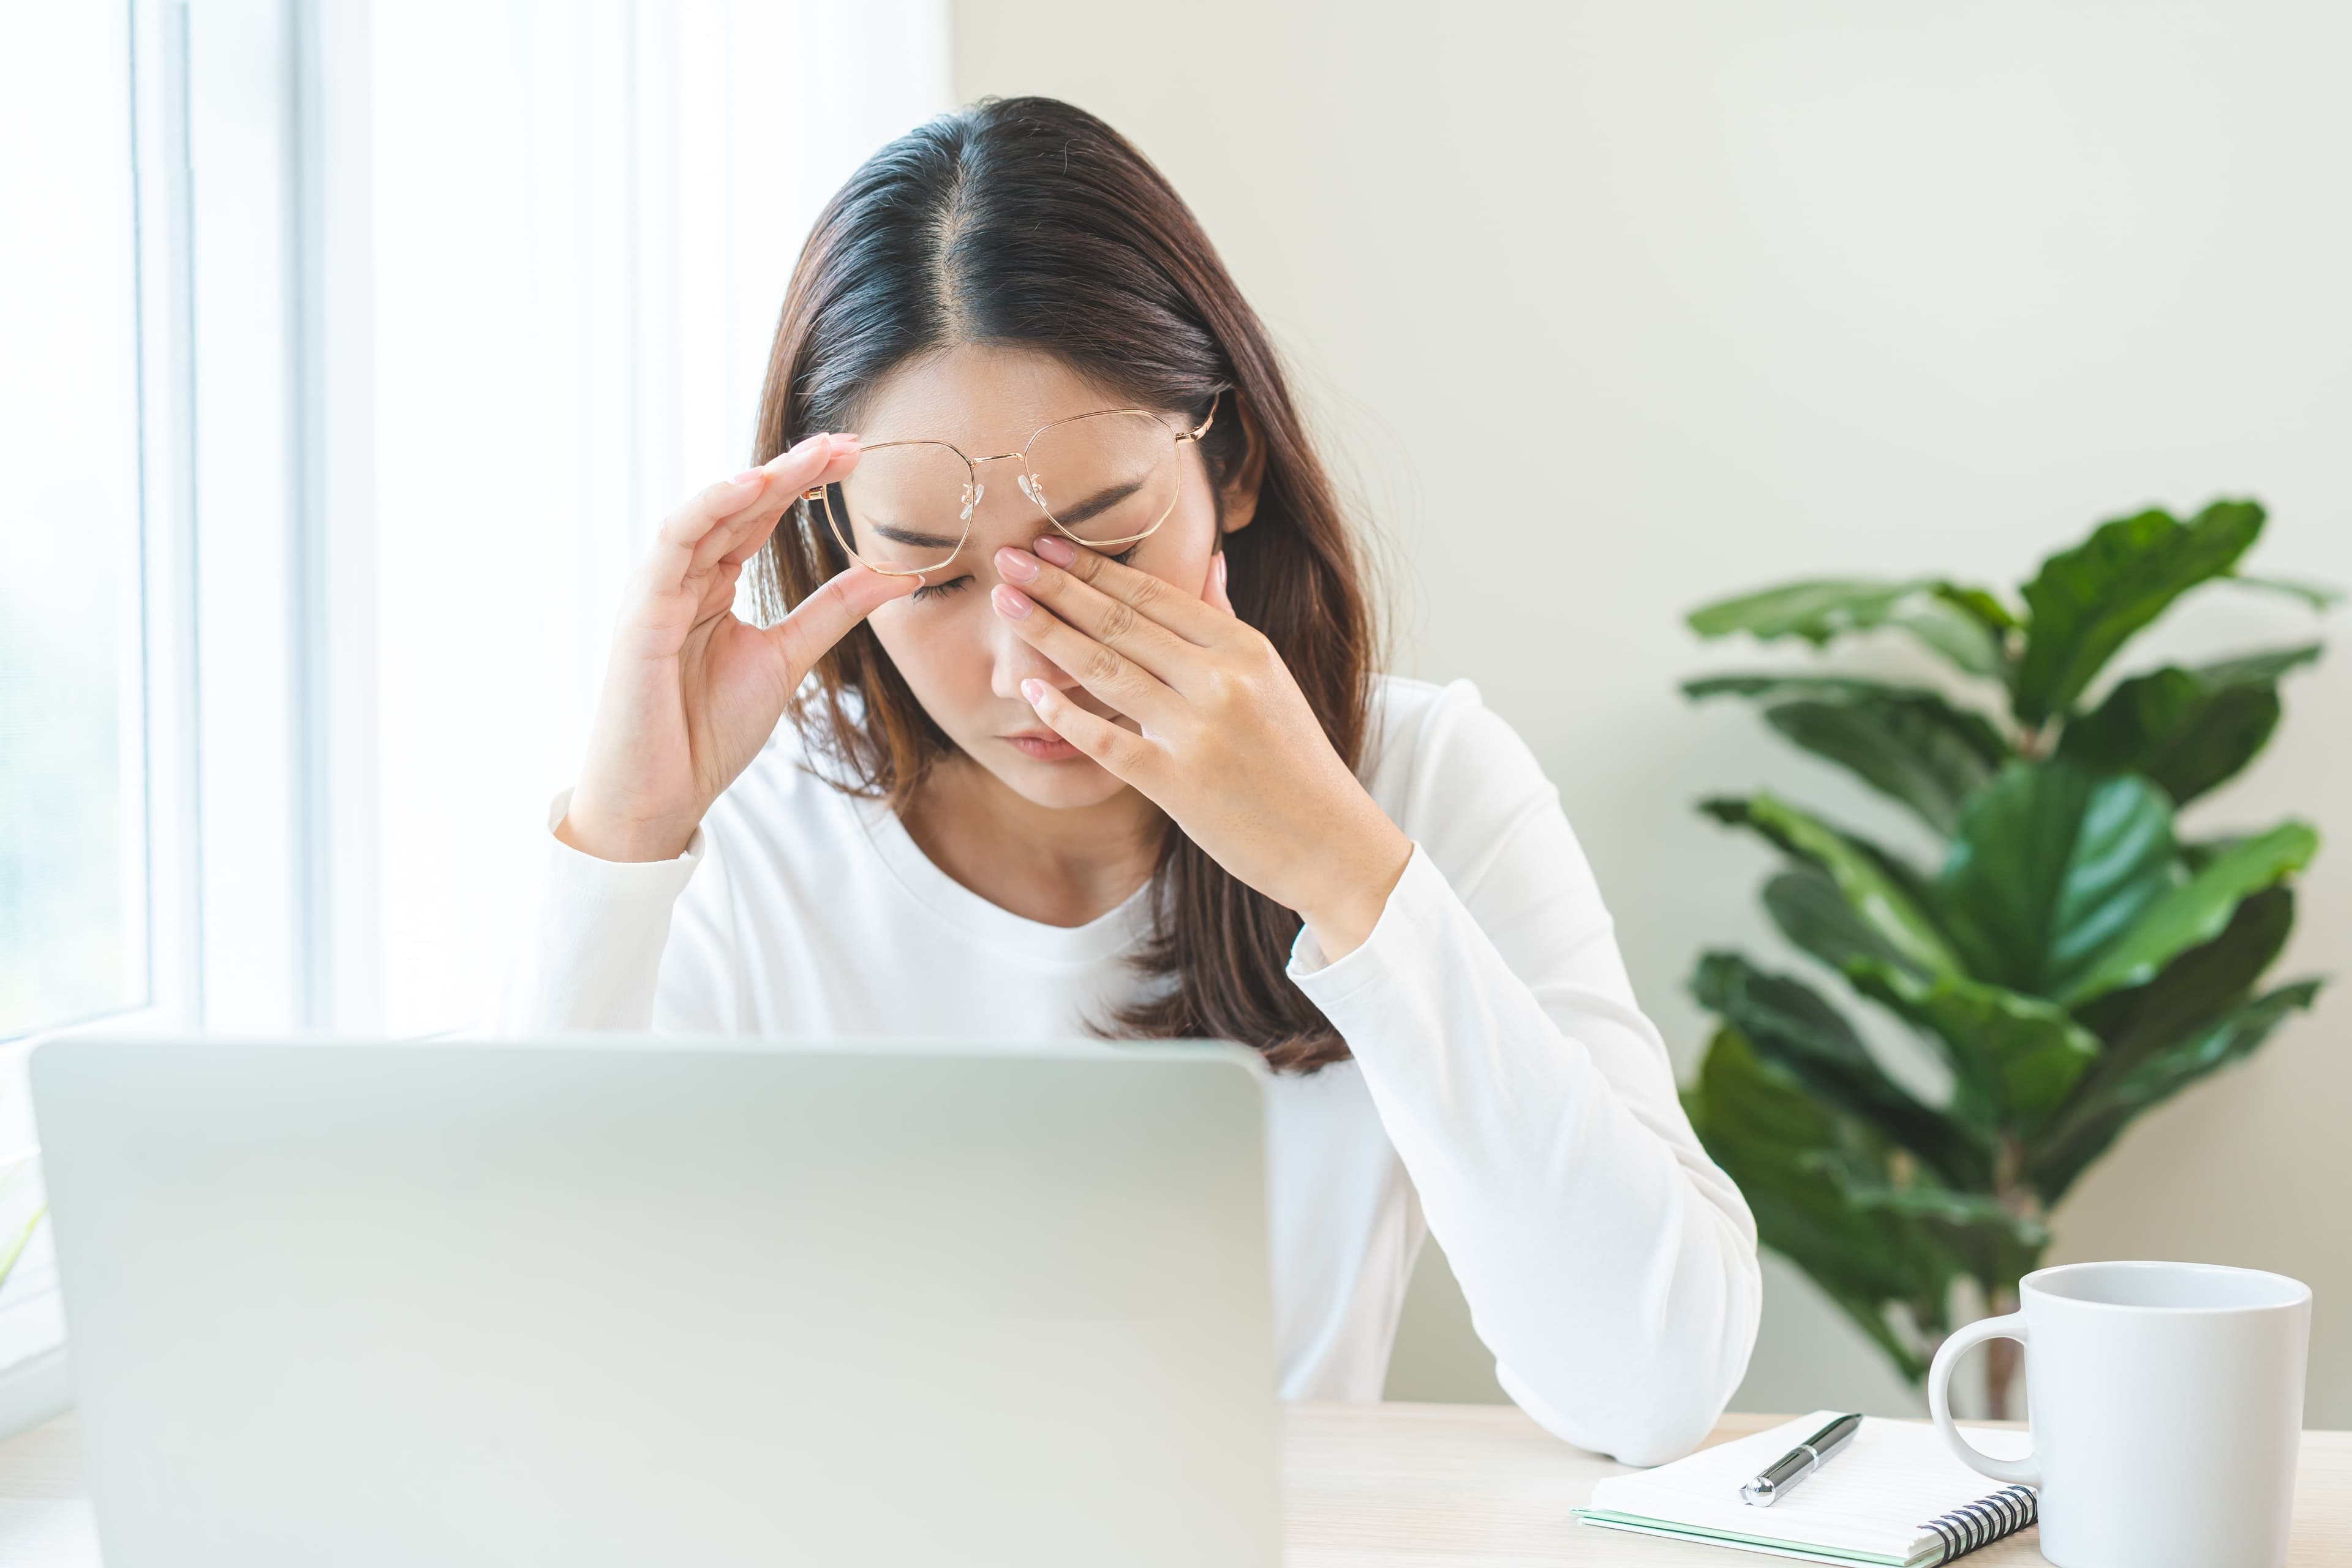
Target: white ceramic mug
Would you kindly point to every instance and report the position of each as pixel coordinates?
(2167, 1406)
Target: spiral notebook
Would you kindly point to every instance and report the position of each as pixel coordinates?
(1894, 1497)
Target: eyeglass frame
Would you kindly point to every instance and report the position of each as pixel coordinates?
(971, 474)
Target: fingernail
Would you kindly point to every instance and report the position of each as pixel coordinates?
(1221, 570)
(1017, 564)
(746, 477)
(1035, 691)
(1057, 551)
(1010, 601)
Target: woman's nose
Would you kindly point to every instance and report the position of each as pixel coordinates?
(1013, 661)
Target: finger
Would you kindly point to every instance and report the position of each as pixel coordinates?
(730, 500)
(1114, 622)
(1126, 685)
(739, 537)
(825, 618)
(1123, 753)
(1214, 595)
(712, 521)
(1157, 597)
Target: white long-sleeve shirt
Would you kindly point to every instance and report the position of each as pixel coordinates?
(1506, 1092)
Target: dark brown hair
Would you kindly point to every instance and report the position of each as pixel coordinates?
(1027, 223)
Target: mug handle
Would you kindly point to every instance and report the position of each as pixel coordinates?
(2010, 1326)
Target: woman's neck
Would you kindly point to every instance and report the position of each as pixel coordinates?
(1058, 866)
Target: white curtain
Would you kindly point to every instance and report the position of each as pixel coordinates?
(558, 238)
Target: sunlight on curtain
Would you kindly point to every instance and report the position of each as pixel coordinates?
(580, 223)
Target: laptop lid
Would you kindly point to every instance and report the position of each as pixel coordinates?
(626, 1302)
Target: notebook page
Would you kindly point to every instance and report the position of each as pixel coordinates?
(1873, 1496)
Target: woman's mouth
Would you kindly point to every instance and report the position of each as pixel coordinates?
(1045, 747)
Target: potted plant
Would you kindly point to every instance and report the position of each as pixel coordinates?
(2068, 957)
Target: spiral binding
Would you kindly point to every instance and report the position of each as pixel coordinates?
(1979, 1524)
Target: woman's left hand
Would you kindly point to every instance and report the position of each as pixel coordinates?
(1228, 748)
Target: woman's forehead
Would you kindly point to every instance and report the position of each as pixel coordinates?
(981, 399)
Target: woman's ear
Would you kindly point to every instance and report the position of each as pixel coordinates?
(1237, 498)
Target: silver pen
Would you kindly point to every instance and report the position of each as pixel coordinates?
(1799, 1462)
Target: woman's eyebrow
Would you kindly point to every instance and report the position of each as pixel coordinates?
(1101, 500)
(909, 536)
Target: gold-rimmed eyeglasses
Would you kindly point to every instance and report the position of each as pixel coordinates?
(1107, 479)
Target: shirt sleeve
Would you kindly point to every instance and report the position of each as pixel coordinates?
(1608, 1265)
(596, 954)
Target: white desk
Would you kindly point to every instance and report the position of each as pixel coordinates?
(1369, 1486)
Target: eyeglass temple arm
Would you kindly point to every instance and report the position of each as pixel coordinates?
(1202, 428)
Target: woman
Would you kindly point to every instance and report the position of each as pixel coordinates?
(1085, 737)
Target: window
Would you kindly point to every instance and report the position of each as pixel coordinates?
(96, 672)
(74, 893)
(256, 399)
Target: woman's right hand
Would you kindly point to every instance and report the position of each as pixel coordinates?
(692, 692)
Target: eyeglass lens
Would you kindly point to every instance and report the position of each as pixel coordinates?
(1107, 479)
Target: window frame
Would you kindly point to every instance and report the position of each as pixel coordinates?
(226, 136)
(158, 600)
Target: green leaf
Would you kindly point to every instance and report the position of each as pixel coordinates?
(1906, 741)
(2188, 730)
(2089, 1127)
(2319, 595)
(1990, 1240)
(1768, 1135)
(2227, 1040)
(1927, 1200)
(12, 1248)
(2021, 1053)
(1816, 610)
(1789, 1022)
(2264, 668)
(1776, 684)
(1861, 871)
(2195, 911)
(1948, 620)
(2190, 996)
(1971, 729)
(1905, 751)
(2050, 865)
(1977, 1231)
(1995, 615)
(1954, 630)
(21, 1170)
(2089, 601)
(1811, 913)
(2199, 853)
(2192, 991)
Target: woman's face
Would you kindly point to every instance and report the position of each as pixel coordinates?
(960, 657)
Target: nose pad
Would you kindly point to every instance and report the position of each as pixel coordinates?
(1034, 488)
(972, 490)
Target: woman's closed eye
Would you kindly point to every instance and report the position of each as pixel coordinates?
(941, 590)
(938, 590)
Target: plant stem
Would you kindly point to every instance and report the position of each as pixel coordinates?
(2001, 1358)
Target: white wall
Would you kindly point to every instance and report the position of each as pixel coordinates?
(1613, 309)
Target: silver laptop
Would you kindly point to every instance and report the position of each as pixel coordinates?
(637, 1303)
